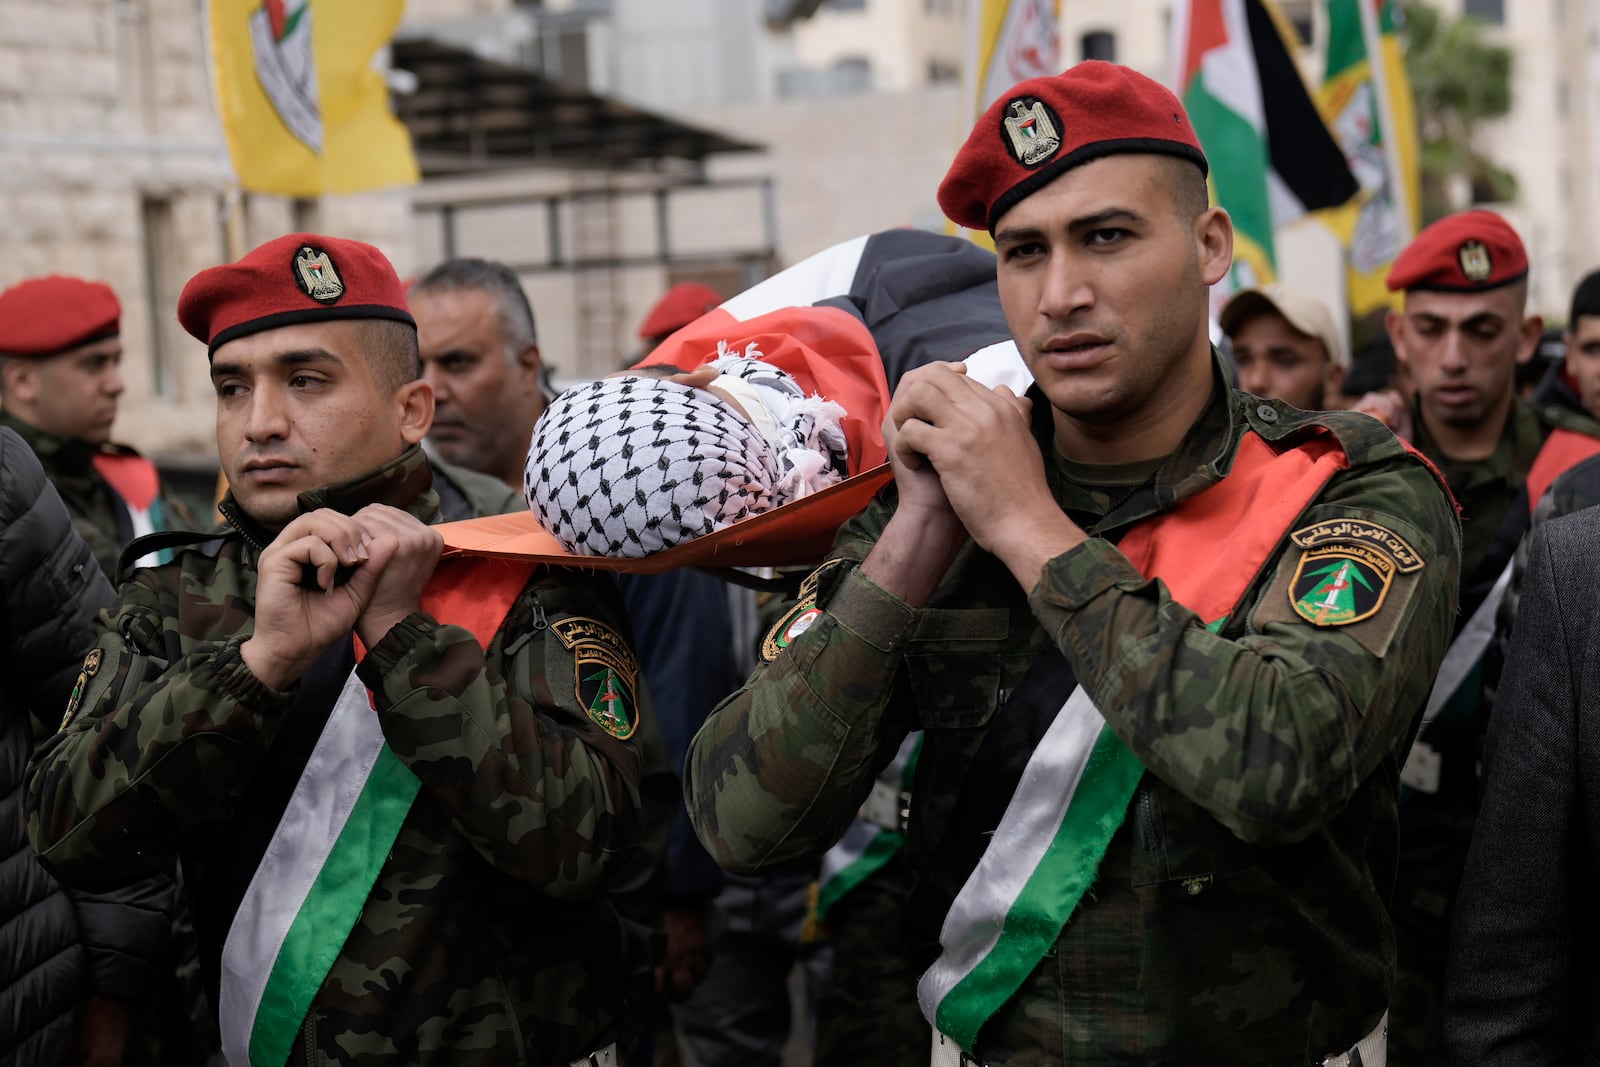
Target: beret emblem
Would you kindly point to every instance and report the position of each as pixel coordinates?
(1033, 131)
(314, 273)
(1474, 259)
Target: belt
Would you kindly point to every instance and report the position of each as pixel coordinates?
(887, 806)
(1370, 1051)
(605, 1057)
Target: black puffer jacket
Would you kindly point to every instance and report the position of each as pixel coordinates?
(56, 945)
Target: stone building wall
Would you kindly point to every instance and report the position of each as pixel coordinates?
(112, 167)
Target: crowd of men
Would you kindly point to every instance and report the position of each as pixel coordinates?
(1184, 706)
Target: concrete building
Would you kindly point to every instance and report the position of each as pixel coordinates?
(112, 167)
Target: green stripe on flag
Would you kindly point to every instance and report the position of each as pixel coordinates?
(1051, 893)
(1239, 163)
(881, 851)
(335, 901)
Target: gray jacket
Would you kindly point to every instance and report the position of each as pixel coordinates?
(1523, 979)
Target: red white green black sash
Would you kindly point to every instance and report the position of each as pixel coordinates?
(333, 839)
(1079, 782)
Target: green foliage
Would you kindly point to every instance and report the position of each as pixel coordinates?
(1460, 80)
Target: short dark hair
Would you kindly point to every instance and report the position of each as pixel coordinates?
(1585, 299)
(392, 350)
(1190, 194)
(500, 282)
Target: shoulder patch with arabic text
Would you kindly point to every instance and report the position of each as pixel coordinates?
(1346, 569)
(607, 674)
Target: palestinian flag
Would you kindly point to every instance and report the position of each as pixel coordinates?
(1272, 158)
(847, 323)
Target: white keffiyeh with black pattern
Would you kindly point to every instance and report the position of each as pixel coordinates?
(633, 465)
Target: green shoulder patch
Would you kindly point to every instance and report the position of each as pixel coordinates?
(1346, 569)
(607, 674)
(91, 667)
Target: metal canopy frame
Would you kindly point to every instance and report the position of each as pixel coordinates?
(469, 114)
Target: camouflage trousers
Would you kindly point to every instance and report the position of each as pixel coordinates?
(869, 1015)
(1433, 852)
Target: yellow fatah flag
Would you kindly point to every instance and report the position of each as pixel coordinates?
(1369, 107)
(1009, 41)
(303, 109)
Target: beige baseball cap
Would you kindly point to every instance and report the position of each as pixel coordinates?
(1300, 309)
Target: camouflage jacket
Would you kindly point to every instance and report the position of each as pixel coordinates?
(488, 937)
(1240, 914)
(1494, 510)
(98, 513)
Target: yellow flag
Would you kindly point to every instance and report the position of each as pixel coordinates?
(1369, 107)
(1009, 41)
(303, 109)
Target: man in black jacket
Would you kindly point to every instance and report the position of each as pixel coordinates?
(72, 963)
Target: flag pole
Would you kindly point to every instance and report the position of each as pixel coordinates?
(1391, 142)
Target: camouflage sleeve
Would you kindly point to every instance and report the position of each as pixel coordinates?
(781, 767)
(158, 739)
(1274, 722)
(548, 793)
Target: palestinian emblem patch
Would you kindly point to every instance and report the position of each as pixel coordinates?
(1033, 131)
(314, 273)
(91, 667)
(1345, 571)
(795, 622)
(1475, 261)
(607, 675)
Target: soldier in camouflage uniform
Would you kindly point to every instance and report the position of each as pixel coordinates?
(60, 353)
(1462, 332)
(1229, 900)
(486, 936)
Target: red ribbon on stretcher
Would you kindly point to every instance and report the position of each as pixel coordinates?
(831, 353)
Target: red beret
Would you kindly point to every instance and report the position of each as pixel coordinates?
(681, 305)
(1462, 253)
(1044, 127)
(302, 277)
(43, 316)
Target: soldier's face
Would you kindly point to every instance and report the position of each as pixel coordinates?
(487, 397)
(1278, 361)
(301, 407)
(1583, 360)
(1103, 278)
(73, 394)
(1461, 352)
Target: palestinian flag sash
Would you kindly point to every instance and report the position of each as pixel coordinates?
(1077, 785)
(867, 846)
(335, 834)
(137, 484)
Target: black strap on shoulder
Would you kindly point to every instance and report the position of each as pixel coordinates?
(161, 540)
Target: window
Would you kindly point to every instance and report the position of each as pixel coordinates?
(1490, 10)
(848, 5)
(853, 74)
(1099, 44)
(943, 71)
(160, 289)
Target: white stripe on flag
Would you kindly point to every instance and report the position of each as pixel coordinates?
(318, 809)
(976, 918)
(827, 274)
(1468, 647)
(1000, 364)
